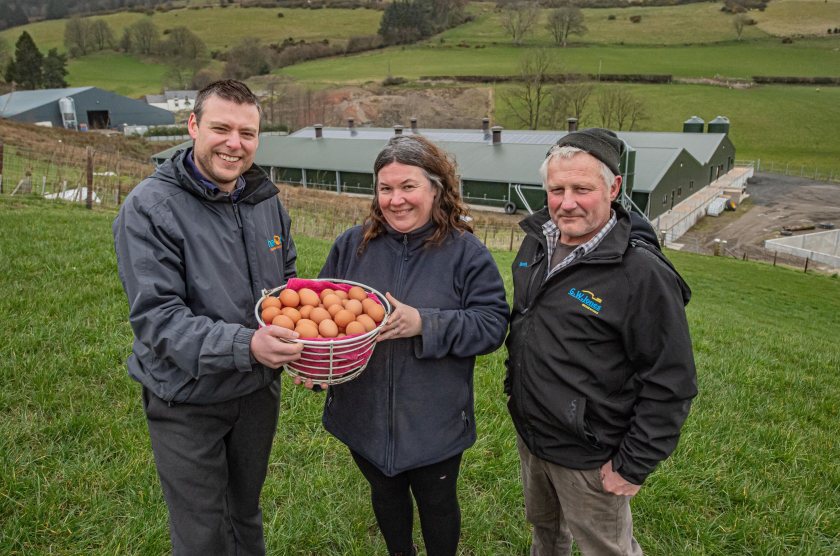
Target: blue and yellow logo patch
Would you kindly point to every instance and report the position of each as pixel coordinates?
(588, 300)
(275, 243)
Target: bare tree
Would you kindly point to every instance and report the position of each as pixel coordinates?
(565, 21)
(144, 36)
(739, 22)
(185, 48)
(77, 36)
(101, 35)
(527, 101)
(620, 109)
(519, 18)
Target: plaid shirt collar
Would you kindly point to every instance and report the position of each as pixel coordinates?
(552, 233)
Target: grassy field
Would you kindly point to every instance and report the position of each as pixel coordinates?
(810, 57)
(238, 23)
(773, 122)
(755, 472)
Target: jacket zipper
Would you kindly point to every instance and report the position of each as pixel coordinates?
(389, 460)
(245, 248)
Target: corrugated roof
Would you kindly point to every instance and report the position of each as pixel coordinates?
(18, 102)
(508, 162)
(651, 165)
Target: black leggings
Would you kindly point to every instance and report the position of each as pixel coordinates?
(434, 488)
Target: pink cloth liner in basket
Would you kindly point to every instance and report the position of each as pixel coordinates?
(319, 358)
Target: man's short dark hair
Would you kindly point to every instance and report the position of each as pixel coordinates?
(226, 89)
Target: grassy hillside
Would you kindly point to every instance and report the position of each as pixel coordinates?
(773, 123)
(753, 474)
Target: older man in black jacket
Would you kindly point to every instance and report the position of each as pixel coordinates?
(600, 370)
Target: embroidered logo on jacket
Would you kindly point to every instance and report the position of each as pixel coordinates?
(275, 243)
(587, 299)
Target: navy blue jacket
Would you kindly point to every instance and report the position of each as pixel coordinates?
(193, 265)
(413, 404)
(600, 363)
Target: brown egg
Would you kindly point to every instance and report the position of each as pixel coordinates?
(354, 306)
(374, 310)
(333, 309)
(367, 322)
(343, 318)
(306, 328)
(318, 314)
(269, 313)
(355, 328)
(330, 300)
(283, 321)
(357, 293)
(328, 328)
(290, 298)
(308, 297)
(270, 301)
(341, 294)
(292, 313)
(325, 292)
(305, 311)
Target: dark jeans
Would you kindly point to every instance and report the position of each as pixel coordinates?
(434, 488)
(212, 461)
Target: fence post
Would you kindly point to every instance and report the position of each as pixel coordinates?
(89, 153)
(775, 253)
(806, 264)
(1, 167)
(510, 247)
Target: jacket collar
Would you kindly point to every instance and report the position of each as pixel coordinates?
(258, 186)
(611, 248)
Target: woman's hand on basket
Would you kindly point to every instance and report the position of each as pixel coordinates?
(270, 346)
(404, 321)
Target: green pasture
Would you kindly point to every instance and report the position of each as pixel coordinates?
(782, 124)
(755, 472)
(123, 74)
(702, 22)
(221, 28)
(807, 57)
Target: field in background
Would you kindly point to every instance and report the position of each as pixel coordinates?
(754, 473)
(775, 123)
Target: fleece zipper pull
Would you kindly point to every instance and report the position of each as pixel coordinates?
(236, 214)
(405, 247)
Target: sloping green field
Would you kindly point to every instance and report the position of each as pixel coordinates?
(755, 472)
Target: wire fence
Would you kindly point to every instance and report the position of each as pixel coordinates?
(66, 173)
(802, 170)
(70, 173)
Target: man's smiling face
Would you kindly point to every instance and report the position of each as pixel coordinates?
(226, 140)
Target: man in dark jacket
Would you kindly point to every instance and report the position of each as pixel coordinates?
(600, 370)
(196, 244)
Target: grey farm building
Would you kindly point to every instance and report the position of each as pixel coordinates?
(661, 169)
(80, 108)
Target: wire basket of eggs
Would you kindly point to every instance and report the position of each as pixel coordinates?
(337, 320)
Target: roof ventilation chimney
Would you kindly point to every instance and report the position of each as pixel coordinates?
(497, 134)
(398, 129)
(413, 125)
(351, 123)
(319, 131)
(572, 124)
(485, 125)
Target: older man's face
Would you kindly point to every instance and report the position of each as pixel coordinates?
(578, 198)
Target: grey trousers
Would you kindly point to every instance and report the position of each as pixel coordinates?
(565, 505)
(212, 461)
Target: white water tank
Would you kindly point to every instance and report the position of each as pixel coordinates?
(68, 112)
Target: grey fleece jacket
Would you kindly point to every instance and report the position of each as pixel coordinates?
(413, 404)
(193, 265)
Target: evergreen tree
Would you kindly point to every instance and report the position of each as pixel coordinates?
(55, 70)
(28, 65)
(405, 21)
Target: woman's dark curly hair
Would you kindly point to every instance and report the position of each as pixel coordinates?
(448, 210)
